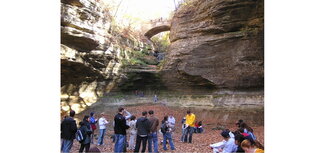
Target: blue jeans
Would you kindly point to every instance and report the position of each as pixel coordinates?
(66, 145)
(188, 134)
(153, 138)
(183, 135)
(168, 136)
(119, 142)
(101, 136)
(199, 130)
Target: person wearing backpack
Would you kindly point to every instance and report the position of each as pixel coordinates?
(167, 133)
(86, 132)
(68, 130)
(93, 122)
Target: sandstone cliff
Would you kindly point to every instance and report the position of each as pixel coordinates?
(91, 53)
(217, 44)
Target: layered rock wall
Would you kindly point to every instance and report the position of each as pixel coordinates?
(91, 53)
(216, 44)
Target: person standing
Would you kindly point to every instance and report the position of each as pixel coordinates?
(153, 136)
(68, 130)
(155, 98)
(127, 114)
(120, 127)
(133, 132)
(102, 122)
(143, 129)
(93, 122)
(86, 132)
(190, 123)
(171, 121)
(167, 133)
(183, 129)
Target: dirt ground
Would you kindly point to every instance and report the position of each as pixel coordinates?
(200, 142)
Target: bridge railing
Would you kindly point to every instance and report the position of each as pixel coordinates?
(159, 21)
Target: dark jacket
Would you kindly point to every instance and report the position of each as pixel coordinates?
(143, 126)
(120, 124)
(86, 132)
(86, 123)
(68, 128)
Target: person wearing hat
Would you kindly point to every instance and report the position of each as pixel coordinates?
(102, 122)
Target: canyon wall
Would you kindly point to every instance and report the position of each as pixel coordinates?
(92, 51)
(216, 45)
(217, 50)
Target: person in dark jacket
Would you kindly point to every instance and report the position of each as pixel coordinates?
(120, 127)
(238, 139)
(86, 132)
(68, 130)
(143, 129)
(239, 122)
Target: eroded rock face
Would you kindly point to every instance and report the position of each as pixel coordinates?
(217, 44)
(90, 55)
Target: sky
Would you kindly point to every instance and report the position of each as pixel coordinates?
(146, 9)
(136, 12)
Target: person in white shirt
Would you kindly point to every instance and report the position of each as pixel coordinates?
(171, 121)
(102, 128)
(227, 145)
(127, 114)
(133, 132)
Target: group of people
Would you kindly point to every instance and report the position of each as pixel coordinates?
(240, 141)
(142, 131)
(145, 130)
(86, 130)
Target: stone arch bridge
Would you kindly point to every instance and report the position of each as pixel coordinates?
(157, 26)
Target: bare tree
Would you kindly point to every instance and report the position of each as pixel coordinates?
(175, 5)
(118, 6)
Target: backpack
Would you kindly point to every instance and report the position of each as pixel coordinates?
(79, 136)
(164, 128)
